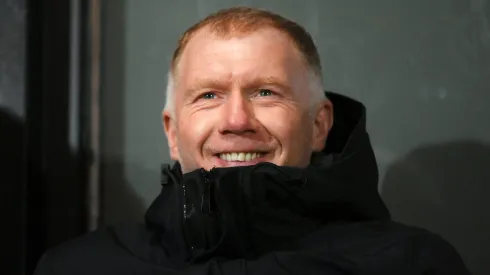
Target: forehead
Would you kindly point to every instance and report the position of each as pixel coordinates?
(258, 53)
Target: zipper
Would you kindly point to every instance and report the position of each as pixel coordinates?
(206, 195)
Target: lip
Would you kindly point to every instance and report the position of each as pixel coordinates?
(218, 162)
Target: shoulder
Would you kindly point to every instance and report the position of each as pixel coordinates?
(372, 231)
(415, 247)
(432, 253)
(389, 232)
(386, 247)
(101, 251)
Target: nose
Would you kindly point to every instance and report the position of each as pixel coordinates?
(238, 116)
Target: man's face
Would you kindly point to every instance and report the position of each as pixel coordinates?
(244, 100)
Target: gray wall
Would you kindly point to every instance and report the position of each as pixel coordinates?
(422, 67)
(12, 55)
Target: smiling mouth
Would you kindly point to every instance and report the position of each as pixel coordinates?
(240, 156)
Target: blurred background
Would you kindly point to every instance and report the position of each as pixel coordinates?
(82, 87)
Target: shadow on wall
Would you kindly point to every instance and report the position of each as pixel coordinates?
(445, 188)
(121, 203)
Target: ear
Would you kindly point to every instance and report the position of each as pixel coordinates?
(170, 127)
(323, 121)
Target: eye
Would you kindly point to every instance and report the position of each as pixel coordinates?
(265, 92)
(208, 95)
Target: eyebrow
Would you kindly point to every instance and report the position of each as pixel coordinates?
(270, 80)
(201, 83)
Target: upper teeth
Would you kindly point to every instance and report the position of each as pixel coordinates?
(239, 156)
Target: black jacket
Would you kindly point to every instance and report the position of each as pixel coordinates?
(265, 219)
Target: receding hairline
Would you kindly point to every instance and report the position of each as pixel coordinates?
(242, 21)
(205, 31)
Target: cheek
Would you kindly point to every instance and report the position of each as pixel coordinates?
(194, 130)
(289, 127)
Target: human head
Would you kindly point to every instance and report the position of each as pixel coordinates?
(245, 80)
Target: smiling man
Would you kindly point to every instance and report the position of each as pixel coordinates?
(265, 181)
(246, 91)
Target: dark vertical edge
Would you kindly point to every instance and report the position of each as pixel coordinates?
(84, 107)
(34, 152)
(94, 48)
(54, 171)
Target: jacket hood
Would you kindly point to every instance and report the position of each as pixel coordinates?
(244, 212)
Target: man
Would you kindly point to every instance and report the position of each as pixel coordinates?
(265, 181)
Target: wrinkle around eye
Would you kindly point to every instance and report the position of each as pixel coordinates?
(206, 95)
(269, 91)
(268, 94)
(204, 100)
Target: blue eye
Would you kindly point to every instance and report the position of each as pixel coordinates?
(265, 92)
(208, 95)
